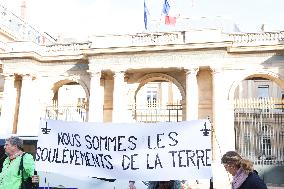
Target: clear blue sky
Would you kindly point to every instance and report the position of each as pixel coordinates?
(82, 17)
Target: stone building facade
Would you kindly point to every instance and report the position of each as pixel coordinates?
(207, 67)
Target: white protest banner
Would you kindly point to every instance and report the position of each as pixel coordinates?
(133, 151)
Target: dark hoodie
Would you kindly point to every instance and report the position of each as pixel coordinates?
(253, 181)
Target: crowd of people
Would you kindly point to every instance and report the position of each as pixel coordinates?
(11, 177)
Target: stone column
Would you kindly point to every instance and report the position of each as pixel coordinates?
(191, 94)
(9, 105)
(96, 100)
(223, 126)
(29, 113)
(119, 113)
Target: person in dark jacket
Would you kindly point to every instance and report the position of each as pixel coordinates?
(244, 177)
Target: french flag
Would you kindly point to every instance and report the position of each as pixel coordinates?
(146, 14)
(169, 20)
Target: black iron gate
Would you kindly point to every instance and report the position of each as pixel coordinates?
(259, 136)
(153, 113)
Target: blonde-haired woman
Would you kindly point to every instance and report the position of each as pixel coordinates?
(244, 176)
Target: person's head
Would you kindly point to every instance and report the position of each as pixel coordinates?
(166, 184)
(233, 161)
(12, 145)
(131, 183)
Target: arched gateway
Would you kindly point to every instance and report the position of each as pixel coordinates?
(259, 115)
(158, 98)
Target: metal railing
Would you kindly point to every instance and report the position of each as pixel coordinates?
(66, 113)
(155, 112)
(259, 129)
